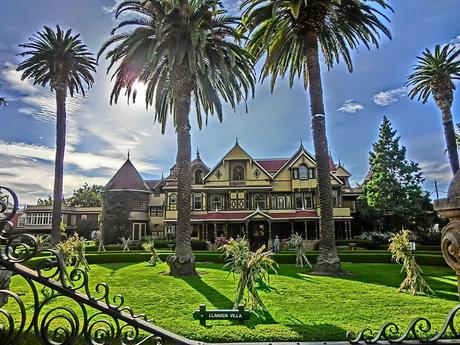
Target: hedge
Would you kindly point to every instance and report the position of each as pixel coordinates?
(282, 258)
(159, 244)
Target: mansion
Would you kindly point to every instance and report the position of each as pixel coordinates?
(239, 196)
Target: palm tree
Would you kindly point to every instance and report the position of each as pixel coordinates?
(289, 35)
(434, 74)
(180, 49)
(61, 60)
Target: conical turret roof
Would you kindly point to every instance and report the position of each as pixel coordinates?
(127, 178)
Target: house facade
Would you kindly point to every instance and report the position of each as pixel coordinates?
(239, 196)
(260, 198)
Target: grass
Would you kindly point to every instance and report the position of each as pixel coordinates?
(301, 307)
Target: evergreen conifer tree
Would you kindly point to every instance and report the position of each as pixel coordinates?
(394, 192)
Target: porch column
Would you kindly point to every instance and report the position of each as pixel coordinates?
(215, 231)
(306, 229)
(165, 230)
(246, 229)
(292, 228)
(226, 230)
(349, 229)
(317, 230)
(205, 232)
(270, 241)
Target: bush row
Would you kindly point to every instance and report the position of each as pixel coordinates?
(284, 258)
(159, 244)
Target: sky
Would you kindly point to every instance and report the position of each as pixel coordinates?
(100, 135)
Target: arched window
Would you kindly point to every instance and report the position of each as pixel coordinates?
(238, 173)
(303, 172)
(198, 176)
(172, 201)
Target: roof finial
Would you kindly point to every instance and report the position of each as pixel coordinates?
(197, 152)
(301, 142)
(162, 176)
(340, 163)
(236, 140)
(128, 154)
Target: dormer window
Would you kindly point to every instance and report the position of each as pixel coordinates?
(303, 172)
(238, 173)
(198, 176)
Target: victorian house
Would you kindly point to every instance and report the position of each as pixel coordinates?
(239, 196)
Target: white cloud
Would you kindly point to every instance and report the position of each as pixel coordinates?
(111, 9)
(350, 107)
(388, 97)
(82, 160)
(436, 171)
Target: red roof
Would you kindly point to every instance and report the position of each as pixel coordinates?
(272, 165)
(297, 214)
(332, 166)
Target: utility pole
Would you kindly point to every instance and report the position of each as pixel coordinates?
(436, 189)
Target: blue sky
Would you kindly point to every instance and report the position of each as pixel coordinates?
(100, 135)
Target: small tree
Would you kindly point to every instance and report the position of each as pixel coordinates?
(296, 241)
(402, 254)
(253, 268)
(150, 248)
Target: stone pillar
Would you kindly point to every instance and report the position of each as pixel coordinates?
(450, 241)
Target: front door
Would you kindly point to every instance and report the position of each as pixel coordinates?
(258, 234)
(139, 231)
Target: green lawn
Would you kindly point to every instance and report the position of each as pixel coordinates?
(300, 306)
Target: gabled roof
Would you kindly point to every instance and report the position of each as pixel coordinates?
(272, 165)
(237, 145)
(302, 150)
(127, 178)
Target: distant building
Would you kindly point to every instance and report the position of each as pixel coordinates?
(36, 219)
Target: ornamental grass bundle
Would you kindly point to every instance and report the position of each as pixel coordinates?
(402, 254)
(252, 268)
(296, 241)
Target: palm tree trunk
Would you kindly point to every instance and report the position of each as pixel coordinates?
(183, 261)
(449, 134)
(61, 95)
(328, 259)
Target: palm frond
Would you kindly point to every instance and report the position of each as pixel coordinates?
(58, 58)
(278, 29)
(196, 37)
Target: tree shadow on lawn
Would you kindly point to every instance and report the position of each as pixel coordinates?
(207, 291)
(117, 266)
(318, 332)
(391, 276)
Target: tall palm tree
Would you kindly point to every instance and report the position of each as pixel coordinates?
(289, 35)
(182, 50)
(62, 61)
(434, 75)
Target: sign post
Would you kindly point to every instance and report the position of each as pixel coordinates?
(239, 314)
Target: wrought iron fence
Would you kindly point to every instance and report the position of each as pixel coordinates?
(96, 316)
